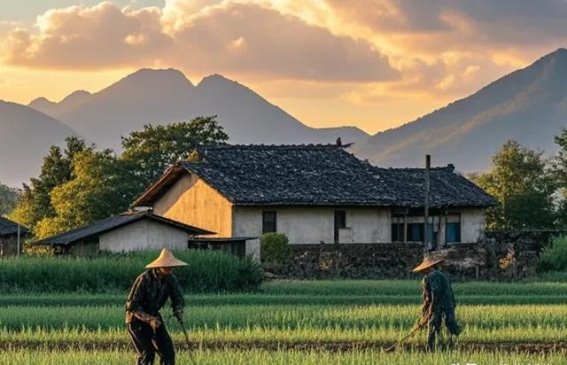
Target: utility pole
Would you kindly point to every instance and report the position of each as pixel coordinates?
(18, 239)
(426, 213)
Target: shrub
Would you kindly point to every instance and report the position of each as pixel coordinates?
(208, 271)
(554, 256)
(274, 247)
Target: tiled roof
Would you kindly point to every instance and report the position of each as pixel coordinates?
(7, 227)
(316, 175)
(111, 223)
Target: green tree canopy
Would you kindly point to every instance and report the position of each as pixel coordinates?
(8, 199)
(560, 171)
(152, 150)
(524, 187)
(98, 189)
(34, 204)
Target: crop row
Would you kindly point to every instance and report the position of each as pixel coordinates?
(234, 357)
(213, 300)
(285, 317)
(266, 337)
(412, 287)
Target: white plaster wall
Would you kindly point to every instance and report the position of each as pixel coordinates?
(472, 225)
(141, 235)
(315, 224)
(369, 225)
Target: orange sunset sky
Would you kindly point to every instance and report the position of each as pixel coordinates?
(371, 63)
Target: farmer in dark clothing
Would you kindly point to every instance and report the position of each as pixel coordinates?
(438, 301)
(147, 296)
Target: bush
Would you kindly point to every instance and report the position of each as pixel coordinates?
(274, 247)
(554, 256)
(208, 271)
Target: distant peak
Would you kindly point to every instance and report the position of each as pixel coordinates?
(40, 101)
(218, 82)
(559, 54)
(216, 78)
(76, 95)
(161, 75)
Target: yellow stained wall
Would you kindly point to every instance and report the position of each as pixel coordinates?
(192, 201)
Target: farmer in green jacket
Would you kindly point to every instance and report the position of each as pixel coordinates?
(438, 301)
(147, 296)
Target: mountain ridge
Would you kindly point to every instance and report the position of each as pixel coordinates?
(499, 111)
(166, 95)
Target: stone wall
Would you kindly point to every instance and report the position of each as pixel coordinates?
(374, 261)
(502, 255)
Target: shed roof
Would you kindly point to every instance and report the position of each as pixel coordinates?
(115, 222)
(7, 227)
(321, 175)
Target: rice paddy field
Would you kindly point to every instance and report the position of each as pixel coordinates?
(287, 322)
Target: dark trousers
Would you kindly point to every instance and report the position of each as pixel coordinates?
(435, 323)
(147, 343)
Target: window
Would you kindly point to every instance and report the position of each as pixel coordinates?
(453, 232)
(269, 222)
(398, 232)
(340, 222)
(416, 232)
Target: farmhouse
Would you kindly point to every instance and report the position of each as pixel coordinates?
(124, 233)
(10, 243)
(315, 194)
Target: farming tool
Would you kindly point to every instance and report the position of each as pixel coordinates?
(186, 339)
(413, 332)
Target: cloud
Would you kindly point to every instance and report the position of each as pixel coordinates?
(199, 36)
(251, 39)
(99, 37)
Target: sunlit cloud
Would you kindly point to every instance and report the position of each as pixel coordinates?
(355, 54)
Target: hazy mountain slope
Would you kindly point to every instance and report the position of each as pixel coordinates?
(65, 106)
(25, 138)
(528, 105)
(160, 96)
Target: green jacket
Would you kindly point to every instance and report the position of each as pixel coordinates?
(437, 294)
(149, 294)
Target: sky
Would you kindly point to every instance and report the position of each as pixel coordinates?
(374, 64)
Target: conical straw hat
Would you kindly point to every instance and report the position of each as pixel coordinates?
(428, 262)
(165, 259)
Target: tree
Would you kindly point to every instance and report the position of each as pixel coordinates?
(8, 199)
(99, 188)
(560, 172)
(151, 151)
(523, 186)
(34, 203)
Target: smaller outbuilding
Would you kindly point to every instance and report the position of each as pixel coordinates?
(12, 236)
(125, 233)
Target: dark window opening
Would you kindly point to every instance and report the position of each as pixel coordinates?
(340, 222)
(453, 232)
(398, 232)
(269, 222)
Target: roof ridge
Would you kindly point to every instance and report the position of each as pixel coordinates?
(271, 146)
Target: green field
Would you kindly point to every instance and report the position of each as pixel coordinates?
(317, 322)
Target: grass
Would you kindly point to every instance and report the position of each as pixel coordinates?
(234, 357)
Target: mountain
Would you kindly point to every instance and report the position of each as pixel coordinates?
(528, 105)
(25, 137)
(162, 96)
(65, 106)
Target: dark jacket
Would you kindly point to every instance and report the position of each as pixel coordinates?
(437, 294)
(149, 294)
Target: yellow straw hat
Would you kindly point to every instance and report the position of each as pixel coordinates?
(165, 259)
(428, 262)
